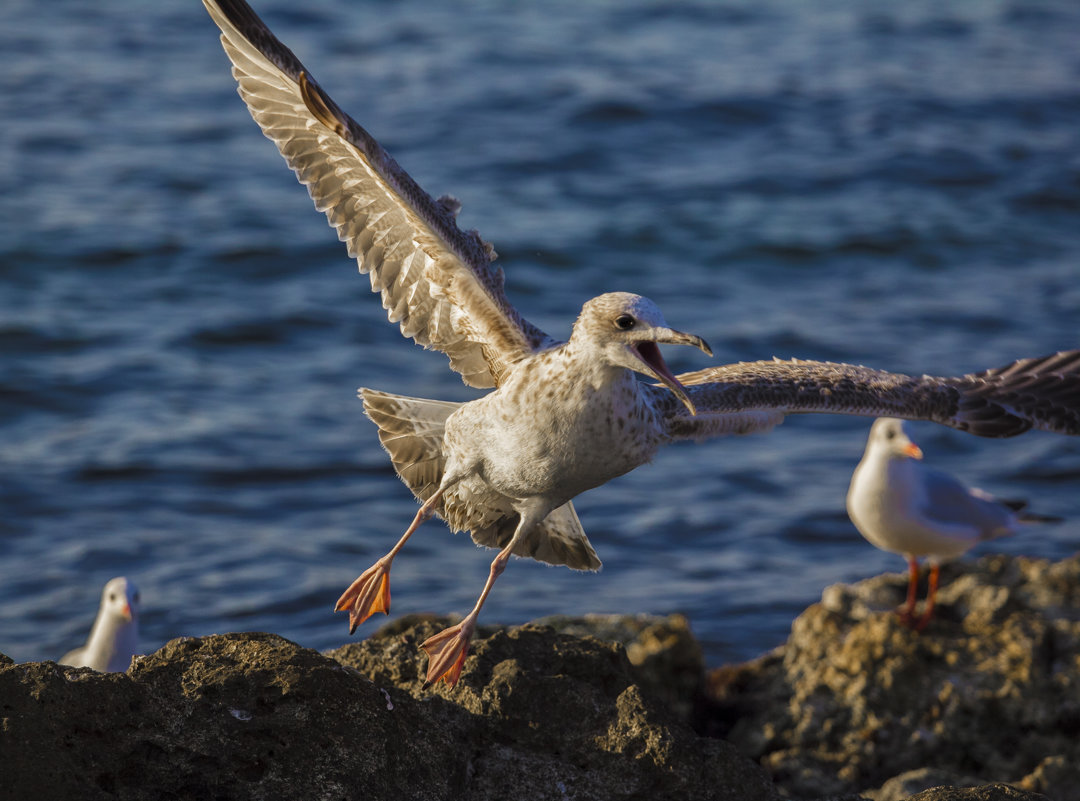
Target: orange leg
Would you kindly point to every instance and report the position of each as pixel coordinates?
(907, 614)
(931, 594)
(370, 593)
(447, 649)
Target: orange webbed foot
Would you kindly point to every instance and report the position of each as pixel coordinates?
(446, 653)
(370, 593)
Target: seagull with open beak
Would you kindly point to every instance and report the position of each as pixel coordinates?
(562, 421)
(563, 417)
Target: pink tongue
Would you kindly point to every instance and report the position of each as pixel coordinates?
(650, 354)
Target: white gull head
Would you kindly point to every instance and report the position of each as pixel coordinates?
(120, 600)
(889, 440)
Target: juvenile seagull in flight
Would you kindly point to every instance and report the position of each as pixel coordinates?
(564, 416)
(902, 506)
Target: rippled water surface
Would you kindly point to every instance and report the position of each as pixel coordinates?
(181, 335)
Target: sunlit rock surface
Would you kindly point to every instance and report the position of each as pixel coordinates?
(989, 692)
(984, 705)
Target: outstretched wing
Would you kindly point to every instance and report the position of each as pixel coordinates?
(1042, 393)
(437, 281)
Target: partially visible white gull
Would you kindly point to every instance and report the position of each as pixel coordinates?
(904, 507)
(115, 634)
(564, 416)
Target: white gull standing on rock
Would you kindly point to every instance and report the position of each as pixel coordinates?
(564, 416)
(902, 506)
(115, 635)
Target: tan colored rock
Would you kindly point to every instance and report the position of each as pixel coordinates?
(853, 706)
(988, 792)
(902, 787)
(1057, 777)
(990, 688)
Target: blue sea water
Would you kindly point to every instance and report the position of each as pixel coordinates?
(181, 335)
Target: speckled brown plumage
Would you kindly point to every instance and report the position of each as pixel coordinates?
(564, 417)
(1039, 393)
(412, 430)
(425, 268)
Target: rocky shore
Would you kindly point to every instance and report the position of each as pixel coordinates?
(984, 705)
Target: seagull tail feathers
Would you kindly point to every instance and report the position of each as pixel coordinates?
(411, 432)
(558, 540)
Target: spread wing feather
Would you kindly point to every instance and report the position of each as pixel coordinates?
(436, 281)
(1041, 393)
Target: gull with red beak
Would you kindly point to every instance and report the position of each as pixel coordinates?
(115, 634)
(564, 416)
(905, 507)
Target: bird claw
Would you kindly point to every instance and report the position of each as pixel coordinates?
(370, 593)
(446, 653)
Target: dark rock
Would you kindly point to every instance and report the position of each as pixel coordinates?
(991, 689)
(572, 710)
(854, 706)
(537, 715)
(908, 784)
(988, 792)
(667, 659)
(1056, 776)
(222, 717)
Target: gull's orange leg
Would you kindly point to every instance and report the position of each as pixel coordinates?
(370, 593)
(447, 649)
(907, 614)
(931, 594)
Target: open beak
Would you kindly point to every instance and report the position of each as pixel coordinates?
(648, 351)
(912, 451)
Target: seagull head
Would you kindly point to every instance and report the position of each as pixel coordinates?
(120, 599)
(628, 329)
(889, 438)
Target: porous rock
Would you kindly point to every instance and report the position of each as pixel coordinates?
(537, 715)
(666, 656)
(570, 704)
(986, 792)
(854, 706)
(902, 787)
(988, 692)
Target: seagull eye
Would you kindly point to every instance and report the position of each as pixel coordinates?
(890, 433)
(624, 322)
(112, 596)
